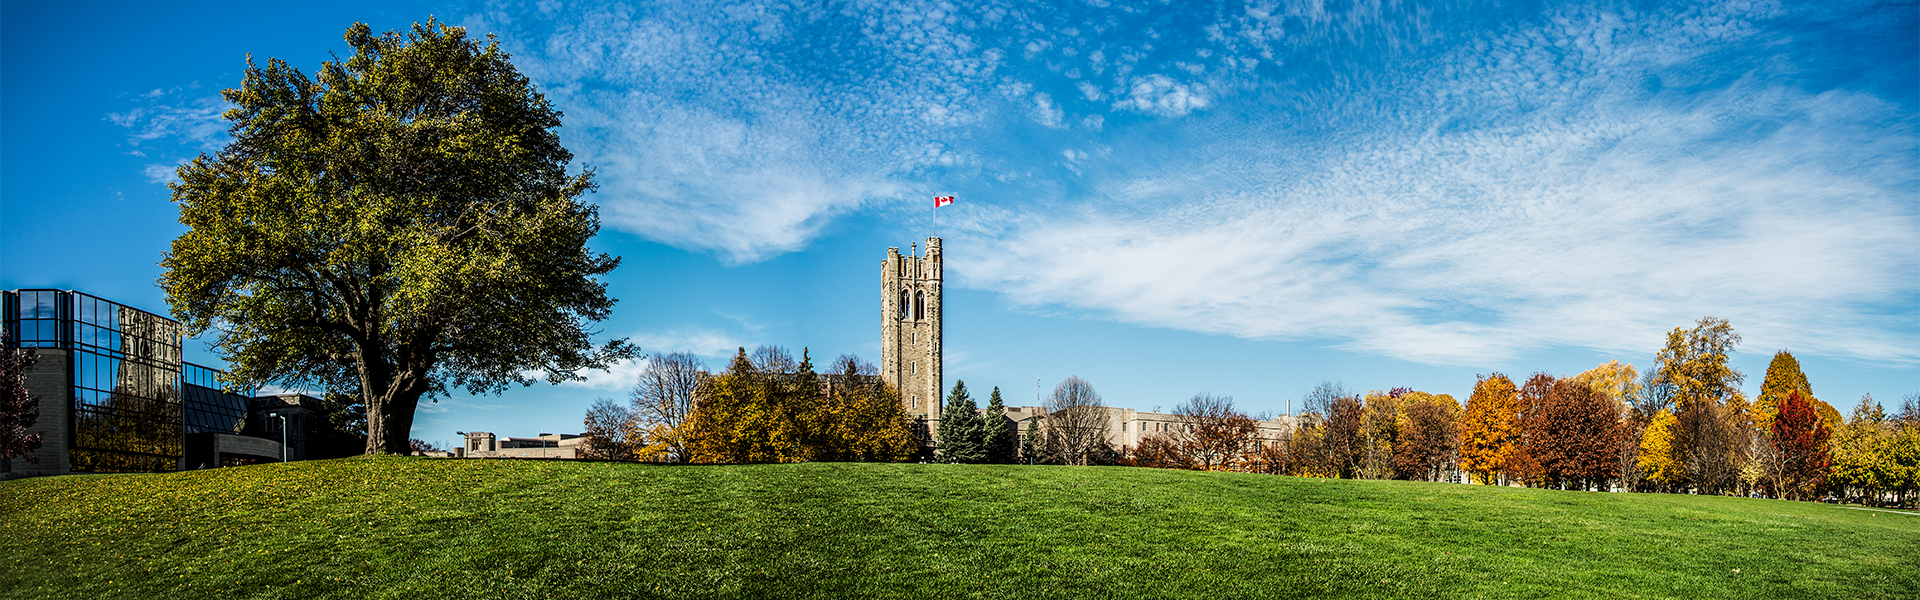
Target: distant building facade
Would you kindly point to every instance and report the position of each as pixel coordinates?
(481, 444)
(115, 395)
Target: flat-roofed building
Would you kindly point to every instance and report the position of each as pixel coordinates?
(482, 444)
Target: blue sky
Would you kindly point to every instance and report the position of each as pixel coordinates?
(1163, 198)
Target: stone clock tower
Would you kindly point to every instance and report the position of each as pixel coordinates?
(910, 328)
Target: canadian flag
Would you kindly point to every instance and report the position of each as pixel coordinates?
(939, 201)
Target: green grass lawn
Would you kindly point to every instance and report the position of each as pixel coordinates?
(480, 529)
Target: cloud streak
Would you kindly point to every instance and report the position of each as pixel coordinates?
(1537, 192)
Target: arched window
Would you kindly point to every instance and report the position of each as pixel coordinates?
(919, 305)
(903, 304)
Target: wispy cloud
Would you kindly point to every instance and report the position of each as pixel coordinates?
(712, 345)
(172, 123)
(742, 130)
(1536, 191)
(174, 116)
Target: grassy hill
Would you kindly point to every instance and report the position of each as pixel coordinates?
(420, 528)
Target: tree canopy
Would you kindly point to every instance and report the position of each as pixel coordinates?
(1783, 377)
(1491, 427)
(400, 224)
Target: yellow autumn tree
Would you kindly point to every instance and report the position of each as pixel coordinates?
(1694, 363)
(751, 414)
(1783, 377)
(1656, 461)
(1617, 380)
(1489, 428)
(864, 421)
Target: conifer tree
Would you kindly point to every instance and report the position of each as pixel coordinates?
(1027, 448)
(962, 430)
(1001, 438)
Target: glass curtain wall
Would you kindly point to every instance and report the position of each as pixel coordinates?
(126, 377)
(210, 409)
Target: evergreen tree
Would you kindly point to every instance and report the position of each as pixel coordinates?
(961, 428)
(1027, 449)
(1002, 440)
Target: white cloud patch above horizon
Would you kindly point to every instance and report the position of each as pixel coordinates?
(713, 347)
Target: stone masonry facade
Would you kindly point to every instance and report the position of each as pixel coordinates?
(910, 329)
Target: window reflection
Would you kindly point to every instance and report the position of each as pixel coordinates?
(127, 409)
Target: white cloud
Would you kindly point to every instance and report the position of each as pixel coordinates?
(1515, 204)
(165, 115)
(1046, 113)
(705, 343)
(1161, 95)
(742, 130)
(716, 347)
(163, 174)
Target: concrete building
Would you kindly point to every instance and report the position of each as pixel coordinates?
(481, 444)
(115, 395)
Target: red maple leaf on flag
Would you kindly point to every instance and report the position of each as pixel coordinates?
(939, 201)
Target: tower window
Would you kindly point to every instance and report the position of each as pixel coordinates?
(919, 305)
(913, 368)
(903, 304)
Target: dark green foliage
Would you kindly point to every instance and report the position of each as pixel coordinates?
(962, 431)
(1002, 440)
(400, 225)
(1027, 448)
(438, 528)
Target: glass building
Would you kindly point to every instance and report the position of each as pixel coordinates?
(130, 402)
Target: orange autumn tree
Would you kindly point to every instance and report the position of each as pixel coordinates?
(1489, 427)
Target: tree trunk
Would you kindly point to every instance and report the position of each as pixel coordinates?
(390, 420)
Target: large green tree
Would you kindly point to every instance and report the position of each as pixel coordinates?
(400, 224)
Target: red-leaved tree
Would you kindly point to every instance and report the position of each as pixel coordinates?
(19, 410)
(1573, 436)
(1800, 441)
(1524, 465)
(1429, 442)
